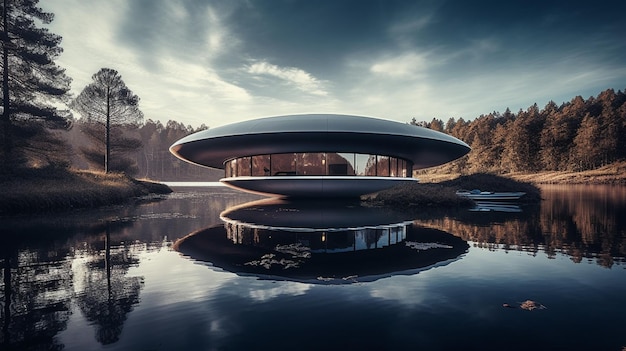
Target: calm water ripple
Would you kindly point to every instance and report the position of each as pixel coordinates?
(213, 269)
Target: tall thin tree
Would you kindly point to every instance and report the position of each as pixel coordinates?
(32, 84)
(108, 101)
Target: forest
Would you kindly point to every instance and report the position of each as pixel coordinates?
(152, 159)
(579, 135)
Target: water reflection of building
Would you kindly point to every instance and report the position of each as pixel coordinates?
(327, 226)
(319, 241)
(326, 241)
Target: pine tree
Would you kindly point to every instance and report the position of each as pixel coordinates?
(105, 104)
(586, 152)
(32, 86)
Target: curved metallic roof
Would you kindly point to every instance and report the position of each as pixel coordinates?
(319, 133)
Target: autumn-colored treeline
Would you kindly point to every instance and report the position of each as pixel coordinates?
(152, 160)
(575, 136)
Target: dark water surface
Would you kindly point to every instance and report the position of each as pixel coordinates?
(213, 269)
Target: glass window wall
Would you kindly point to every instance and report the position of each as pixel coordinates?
(318, 164)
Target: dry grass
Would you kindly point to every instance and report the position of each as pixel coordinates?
(57, 189)
(612, 174)
(436, 177)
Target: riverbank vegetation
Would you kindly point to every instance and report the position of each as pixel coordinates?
(53, 189)
(443, 193)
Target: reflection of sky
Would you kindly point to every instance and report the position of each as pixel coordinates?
(186, 304)
(189, 304)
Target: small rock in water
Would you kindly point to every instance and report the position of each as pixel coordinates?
(531, 305)
(527, 305)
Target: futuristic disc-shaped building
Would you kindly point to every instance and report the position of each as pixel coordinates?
(318, 155)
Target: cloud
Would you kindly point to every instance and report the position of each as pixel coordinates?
(291, 76)
(215, 62)
(407, 66)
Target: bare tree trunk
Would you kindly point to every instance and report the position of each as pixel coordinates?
(107, 154)
(6, 113)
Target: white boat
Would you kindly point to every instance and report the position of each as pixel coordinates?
(495, 206)
(490, 195)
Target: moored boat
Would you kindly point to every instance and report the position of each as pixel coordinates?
(490, 195)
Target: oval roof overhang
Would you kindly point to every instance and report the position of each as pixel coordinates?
(319, 133)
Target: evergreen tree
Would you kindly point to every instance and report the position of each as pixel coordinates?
(106, 104)
(32, 84)
(586, 152)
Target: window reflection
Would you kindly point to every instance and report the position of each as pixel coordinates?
(283, 164)
(340, 164)
(360, 165)
(382, 166)
(318, 164)
(261, 165)
(243, 166)
(370, 167)
(312, 163)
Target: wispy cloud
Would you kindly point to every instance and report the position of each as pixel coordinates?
(291, 76)
(214, 62)
(407, 66)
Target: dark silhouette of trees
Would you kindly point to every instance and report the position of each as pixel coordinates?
(107, 105)
(575, 136)
(35, 294)
(31, 85)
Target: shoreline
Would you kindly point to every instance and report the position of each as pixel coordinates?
(613, 174)
(54, 190)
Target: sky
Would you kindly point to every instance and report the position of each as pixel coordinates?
(215, 62)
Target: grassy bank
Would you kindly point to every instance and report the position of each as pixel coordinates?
(614, 173)
(443, 193)
(45, 190)
(611, 174)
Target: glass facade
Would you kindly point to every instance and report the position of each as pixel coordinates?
(318, 164)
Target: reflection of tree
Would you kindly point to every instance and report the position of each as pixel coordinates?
(587, 224)
(35, 297)
(370, 236)
(370, 166)
(108, 294)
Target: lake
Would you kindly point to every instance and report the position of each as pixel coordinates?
(210, 268)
